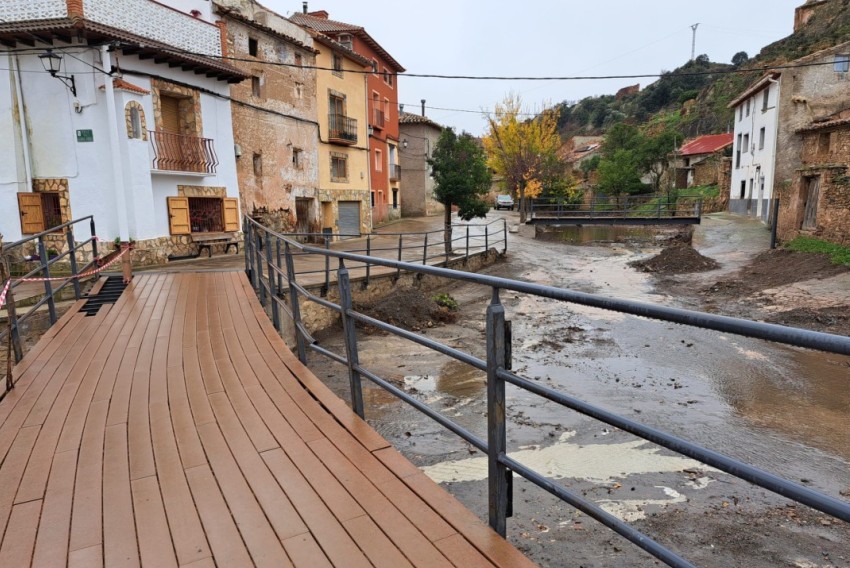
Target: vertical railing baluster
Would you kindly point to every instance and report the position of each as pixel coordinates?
(350, 331)
(72, 257)
(293, 300)
(425, 251)
(327, 284)
(246, 246)
(368, 264)
(48, 287)
(93, 240)
(497, 474)
(505, 234)
(486, 238)
(272, 283)
(467, 244)
(258, 266)
(279, 265)
(398, 268)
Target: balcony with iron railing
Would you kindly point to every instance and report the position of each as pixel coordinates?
(183, 153)
(342, 129)
(378, 119)
(395, 172)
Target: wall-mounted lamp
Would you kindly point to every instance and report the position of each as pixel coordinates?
(404, 143)
(370, 130)
(52, 64)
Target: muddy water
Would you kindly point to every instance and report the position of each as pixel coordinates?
(782, 409)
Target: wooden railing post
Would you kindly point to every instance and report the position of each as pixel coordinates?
(350, 331)
(497, 474)
(72, 258)
(296, 308)
(48, 287)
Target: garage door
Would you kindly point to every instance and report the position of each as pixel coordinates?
(349, 218)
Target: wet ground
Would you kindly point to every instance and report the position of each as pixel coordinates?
(781, 409)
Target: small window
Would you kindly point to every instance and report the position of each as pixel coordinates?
(375, 66)
(824, 144)
(373, 198)
(766, 99)
(842, 63)
(379, 161)
(297, 158)
(256, 87)
(337, 65)
(258, 165)
(740, 141)
(388, 78)
(339, 168)
(252, 47)
(299, 90)
(135, 123)
(743, 189)
(746, 147)
(52, 210)
(741, 113)
(206, 214)
(761, 138)
(345, 40)
(748, 107)
(299, 61)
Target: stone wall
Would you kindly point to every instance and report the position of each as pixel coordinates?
(708, 171)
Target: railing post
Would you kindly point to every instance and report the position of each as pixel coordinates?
(296, 309)
(279, 265)
(775, 226)
(425, 251)
(368, 253)
(48, 287)
(11, 314)
(467, 244)
(350, 330)
(258, 267)
(659, 209)
(398, 269)
(327, 284)
(505, 234)
(272, 283)
(72, 254)
(497, 474)
(486, 238)
(93, 240)
(247, 247)
(592, 207)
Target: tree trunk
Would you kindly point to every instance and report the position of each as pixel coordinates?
(523, 205)
(447, 229)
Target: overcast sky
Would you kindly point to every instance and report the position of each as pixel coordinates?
(539, 38)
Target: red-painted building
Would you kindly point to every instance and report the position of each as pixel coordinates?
(382, 97)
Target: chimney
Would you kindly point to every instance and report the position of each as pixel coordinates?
(304, 5)
(423, 107)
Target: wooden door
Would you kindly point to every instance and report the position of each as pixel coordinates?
(810, 216)
(32, 213)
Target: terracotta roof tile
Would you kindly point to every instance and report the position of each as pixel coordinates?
(123, 85)
(410, 118)
(708, 144)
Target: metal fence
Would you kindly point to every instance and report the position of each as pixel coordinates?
(52, 285)
(654, 206)
(497, 365)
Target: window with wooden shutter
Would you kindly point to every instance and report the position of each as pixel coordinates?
(170, 111)
(231, 214)
(178, 216)
(32, 213)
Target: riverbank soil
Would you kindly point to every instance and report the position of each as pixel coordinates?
(781, 409)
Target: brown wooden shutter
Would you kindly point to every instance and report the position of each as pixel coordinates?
(231, 215)
(170, 111)
(178, 216)
(32, 213)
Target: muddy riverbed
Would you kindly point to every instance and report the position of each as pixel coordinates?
(782, 409)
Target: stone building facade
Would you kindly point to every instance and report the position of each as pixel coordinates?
(817, 201)
(275, 121)
(419, 136)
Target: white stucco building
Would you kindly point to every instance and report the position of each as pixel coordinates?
(754, 150)
(135, 128)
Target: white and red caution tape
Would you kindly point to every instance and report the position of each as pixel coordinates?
(85, 274)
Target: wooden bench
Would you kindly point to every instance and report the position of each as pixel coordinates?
(207, 240)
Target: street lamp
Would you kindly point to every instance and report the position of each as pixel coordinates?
(52, 63)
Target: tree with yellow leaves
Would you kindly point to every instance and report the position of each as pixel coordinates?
(524, 152)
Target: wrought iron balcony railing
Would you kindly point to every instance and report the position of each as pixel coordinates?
(342, 129)
(378, 118)
(182, 153)
(395, 172)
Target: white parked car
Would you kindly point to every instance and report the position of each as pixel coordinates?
(504, 202)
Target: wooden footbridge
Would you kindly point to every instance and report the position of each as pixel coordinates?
(175, 428)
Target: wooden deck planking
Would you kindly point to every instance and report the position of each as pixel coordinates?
(175, 428)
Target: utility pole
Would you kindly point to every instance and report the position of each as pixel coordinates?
(694, 42)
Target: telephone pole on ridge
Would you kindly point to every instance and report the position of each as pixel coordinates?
(694, 42)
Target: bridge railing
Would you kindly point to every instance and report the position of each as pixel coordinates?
(621, 208)
(498, 366)
(37, 251)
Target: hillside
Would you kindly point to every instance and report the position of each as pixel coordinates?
(697, 104)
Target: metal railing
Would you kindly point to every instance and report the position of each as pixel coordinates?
(428, 247)
(182, 153)
(657, 208)
(342, 129)
(378, 118)
(497, 364)
(42, 271)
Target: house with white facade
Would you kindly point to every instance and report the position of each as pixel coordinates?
(118, 110)
(754, 149)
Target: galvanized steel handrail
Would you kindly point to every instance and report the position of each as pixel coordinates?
(498, 367)
(42, 271)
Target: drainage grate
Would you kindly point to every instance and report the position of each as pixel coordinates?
(109, 294)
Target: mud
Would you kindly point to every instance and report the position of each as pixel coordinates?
(781, 409)
(680, 259)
